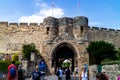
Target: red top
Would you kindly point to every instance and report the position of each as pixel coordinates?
(118, 78)
(9, 67)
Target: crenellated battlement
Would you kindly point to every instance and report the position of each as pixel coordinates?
(52, 22)
(5, 24)
(33, 25)
(15, 24)
(103, 29)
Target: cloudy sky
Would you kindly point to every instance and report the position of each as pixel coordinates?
(101, 13)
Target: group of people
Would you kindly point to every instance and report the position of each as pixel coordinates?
(59, 73)
(84, 74)
(15, 73)
(40, 71)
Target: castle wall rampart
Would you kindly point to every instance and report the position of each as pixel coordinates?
(33, 25)
(5, 24)
(23, 25)
(108, 35)
(48, 22)
(13, 25)
(103, 29)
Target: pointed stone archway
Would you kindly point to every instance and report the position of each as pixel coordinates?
(62, 51)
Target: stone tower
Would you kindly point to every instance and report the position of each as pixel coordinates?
(66, 38)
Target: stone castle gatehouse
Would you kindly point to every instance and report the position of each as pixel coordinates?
(56, 39)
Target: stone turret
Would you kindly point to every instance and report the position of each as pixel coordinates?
(65, 22)
(80, 21)
(51, 25)
(80, 27)
(65, 27)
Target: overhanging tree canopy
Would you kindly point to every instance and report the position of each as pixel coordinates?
(101, 50)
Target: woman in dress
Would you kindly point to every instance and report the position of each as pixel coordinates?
(84, 74)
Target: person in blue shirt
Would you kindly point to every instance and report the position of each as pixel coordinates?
(42, 68)
(60, 74)
(36, 74)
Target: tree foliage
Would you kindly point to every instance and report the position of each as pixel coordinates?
(15, 57)
(101, 50)
(66, 64)
(118, 54)
(27, 49)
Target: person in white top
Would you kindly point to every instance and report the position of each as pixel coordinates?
(84, 75)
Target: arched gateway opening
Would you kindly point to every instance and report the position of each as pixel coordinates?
(62, 52)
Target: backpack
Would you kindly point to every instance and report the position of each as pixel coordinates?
(12, 72)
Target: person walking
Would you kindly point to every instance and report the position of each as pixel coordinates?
(100, 76)
(12, 71)
(60, 74)
(84, 74)
(36, 74)
(118, 77)
(20, 73)
(42, 68)
(104, 72)
(67, 73)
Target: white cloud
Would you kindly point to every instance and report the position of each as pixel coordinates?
(45, 11)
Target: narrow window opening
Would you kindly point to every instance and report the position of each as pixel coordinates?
(47, 32)
(81, 28)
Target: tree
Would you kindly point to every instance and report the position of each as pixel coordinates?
(118, 54)
(15, 57)
(27, 49)
(101, 50)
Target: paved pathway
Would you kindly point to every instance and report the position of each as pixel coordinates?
(54, 77)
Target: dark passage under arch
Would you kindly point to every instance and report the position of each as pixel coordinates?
(61, 53)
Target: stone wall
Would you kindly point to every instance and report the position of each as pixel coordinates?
(108, 35)
(112, 71)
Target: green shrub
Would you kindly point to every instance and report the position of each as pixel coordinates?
(110, 62)
(15, 57)
(17, 63)
(4, 65)
(27, 49)
(66, 65)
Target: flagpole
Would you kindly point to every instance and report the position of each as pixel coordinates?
(78, 8)
(52, 7)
